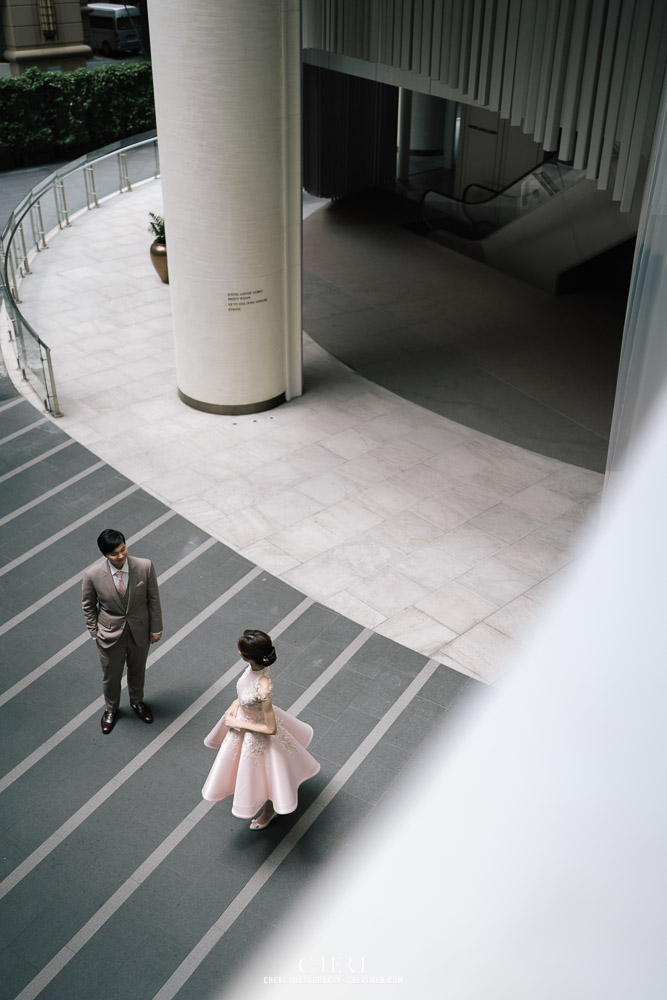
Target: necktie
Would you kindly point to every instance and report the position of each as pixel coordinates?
(121, 584)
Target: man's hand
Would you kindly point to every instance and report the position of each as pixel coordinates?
(156, 636)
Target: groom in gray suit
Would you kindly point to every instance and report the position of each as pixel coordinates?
(121, 605)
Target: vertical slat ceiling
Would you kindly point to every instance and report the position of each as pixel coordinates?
(655, 56)
(631, 86)
(397, 41)
(466, 37)
(498, 55)
(445, 36)
(416, 40)
(603, 85)
(436, 44)
(488, 31)
(455, 44)
(425, 40)
(511, 47)
(591, 60)
(627, 29)
(475, 48)
(575, 71)
(535, 69)
(545, 74)
(557, 87)
(523, 57)
(386, 31)
(580, 76)
(406, 33)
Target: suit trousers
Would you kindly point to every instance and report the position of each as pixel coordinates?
(113, 659)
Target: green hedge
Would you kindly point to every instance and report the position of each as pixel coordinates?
(59, 116)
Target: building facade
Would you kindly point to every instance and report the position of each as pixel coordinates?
(47, 34)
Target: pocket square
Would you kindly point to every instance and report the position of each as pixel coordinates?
(140, 584)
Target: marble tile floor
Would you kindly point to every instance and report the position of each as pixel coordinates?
(431, 533)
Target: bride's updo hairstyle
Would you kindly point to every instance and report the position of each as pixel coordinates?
(257, 646)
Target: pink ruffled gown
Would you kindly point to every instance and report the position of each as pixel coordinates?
(254, 767)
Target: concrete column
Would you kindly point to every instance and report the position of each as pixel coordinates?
(404, 126)
(428, 123)
(228, 99)
(450, 137)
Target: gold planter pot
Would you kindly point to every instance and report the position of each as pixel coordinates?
(159, 259)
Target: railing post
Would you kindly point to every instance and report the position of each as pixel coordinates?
(59, 191)
(41, 225)
(18, 342)
(12, 325)
(14, 288)
(24, 265)
(53, 395)
(35, 230)
(64, 198)
(91, 191)
(124, 177)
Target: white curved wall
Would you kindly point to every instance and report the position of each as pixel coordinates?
(642, 371)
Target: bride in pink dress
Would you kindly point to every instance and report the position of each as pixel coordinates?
(262, 757)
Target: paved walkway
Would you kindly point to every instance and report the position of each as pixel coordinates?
(430, 532)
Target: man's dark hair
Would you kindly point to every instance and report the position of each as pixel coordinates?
(109, 540)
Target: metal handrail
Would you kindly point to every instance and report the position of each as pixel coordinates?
(461, 208)
(482, 187)
(550, 158)
(15, 252)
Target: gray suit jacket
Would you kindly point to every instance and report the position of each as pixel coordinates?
(103, 608)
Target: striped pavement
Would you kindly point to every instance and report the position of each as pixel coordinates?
(116, 879)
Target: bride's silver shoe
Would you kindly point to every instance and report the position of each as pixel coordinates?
(256, 825)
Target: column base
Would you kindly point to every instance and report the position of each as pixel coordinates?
(238, 410)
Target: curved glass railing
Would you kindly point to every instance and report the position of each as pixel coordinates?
(52, 205)
(482, 211)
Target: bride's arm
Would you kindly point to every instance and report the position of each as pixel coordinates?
(230, 715)
(269, 726)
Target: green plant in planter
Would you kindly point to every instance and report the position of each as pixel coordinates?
(156, 227)
(159, 246)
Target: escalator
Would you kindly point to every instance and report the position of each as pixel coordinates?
(482, 211)
(541, 226)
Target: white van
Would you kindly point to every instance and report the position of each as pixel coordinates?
(114, 27)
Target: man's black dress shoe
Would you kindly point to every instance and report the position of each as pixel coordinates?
(143, 711)
(108, 722)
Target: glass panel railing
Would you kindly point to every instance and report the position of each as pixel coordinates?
(481, 211)
(49, 207)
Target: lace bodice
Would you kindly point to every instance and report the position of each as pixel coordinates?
(250, 709)
(247, 686)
